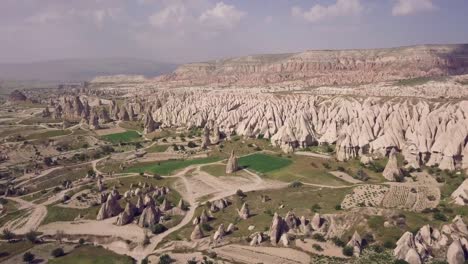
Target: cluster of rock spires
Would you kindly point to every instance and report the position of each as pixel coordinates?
(145, 211)
(326, 67)
(97, 113)
(418, 248)
(425, 132)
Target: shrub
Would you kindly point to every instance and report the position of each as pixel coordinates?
(157, 228)
(337, 241)
(190, 144)
(348, 251)
(315, 207)
(318, 237)
(240, 193)
(58, 252)
(144, 261)
(389, 244)
(340, 168)
(165, 259)
(8, 235)
(31, 236)
(206, 227)
(295, 184)
(81, 241)
(440, 216)
(327, 166)
(338, 207)
(362, 175)
(317, 247)
(400, 261)
(28, 257)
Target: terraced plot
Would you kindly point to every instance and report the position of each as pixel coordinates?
(168, 167)
(127, 136)
(263, 163)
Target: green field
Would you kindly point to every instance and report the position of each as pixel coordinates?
(215, 169)
(49, 134)
(92, 255)
(157, 148)
(127, 136)
(168, 167)
(8, 250)
(263, 163)
(56, 213)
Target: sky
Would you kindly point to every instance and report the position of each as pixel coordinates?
(180, 31)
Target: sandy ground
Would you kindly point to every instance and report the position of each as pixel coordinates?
(99, 228)
(345, 177)
(37, 214)
(254, 255)
(312, 154)
(329, 249)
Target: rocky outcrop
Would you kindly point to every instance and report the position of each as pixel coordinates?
(150, 216)
(326, 67)
(218, 205)
(455, 253)
(232, 165)
(197, 233)
(392, 172)
(244, 212)
(110, 208)
(370, 126)
(127, 215)
(277, 228)
(460, 195)
(356, 243)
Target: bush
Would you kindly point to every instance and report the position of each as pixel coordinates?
(318, 237)
(317, 247)
(8, 235)
(190, 144)
(440, 216)
(389, 244)
(348, 251)
(240, 193)
(338, 207)
(315, 207)
(206, 227)
(337, 241)
(377, 248)
(362, 175)
(81, 241)
(165, 259)
(157, 228)
(31, 236)
(400, 261)
(295, 184)
(58, 252)
(28, 257)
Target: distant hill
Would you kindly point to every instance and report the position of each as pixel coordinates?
(327, 67)
(82, 69)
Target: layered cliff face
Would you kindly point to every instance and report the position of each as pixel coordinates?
(327, 67)
(426, 132)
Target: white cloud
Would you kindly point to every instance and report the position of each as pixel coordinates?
(409, 7)
(172, 15)
(57, 15)
(221, 16)
(339, 9)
